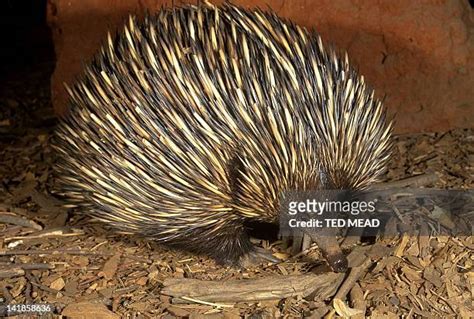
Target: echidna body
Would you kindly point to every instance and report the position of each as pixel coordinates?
(198, 118)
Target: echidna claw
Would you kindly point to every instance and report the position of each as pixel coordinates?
(257, 256)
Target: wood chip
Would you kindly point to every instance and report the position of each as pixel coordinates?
(84, 310)
(110, 267)
(58, 284)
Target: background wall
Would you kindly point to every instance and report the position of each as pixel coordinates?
(25, 36)
(418, 54)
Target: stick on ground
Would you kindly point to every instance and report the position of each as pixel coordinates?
(276, 287)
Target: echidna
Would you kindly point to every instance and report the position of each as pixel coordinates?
(198, 118)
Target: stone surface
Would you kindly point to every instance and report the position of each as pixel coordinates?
(419, 55)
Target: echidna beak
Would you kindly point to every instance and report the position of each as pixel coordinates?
(327, 243)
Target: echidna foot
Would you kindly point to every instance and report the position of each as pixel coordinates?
(257, 256)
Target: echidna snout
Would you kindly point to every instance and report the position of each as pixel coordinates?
(326, 241)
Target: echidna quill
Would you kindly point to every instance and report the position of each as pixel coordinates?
(198, 118)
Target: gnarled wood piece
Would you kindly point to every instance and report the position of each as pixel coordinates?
(322, 286)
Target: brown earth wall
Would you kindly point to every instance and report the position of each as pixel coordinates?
(419, 55)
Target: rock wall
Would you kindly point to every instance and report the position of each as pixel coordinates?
(418, 55)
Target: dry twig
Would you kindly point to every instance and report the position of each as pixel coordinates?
(322, 286)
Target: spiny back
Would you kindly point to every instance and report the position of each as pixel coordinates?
(200, 115)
